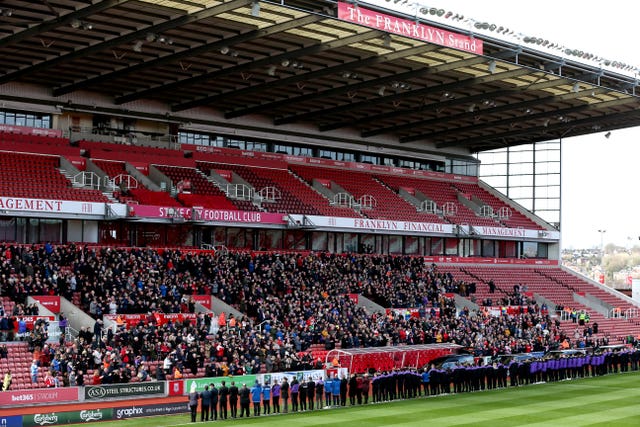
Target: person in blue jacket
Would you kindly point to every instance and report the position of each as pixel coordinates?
(335, 390)
(266, 399)
(256, 396)
(425, 381)
(328, 387)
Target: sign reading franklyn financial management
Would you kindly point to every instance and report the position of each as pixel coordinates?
(408, 28)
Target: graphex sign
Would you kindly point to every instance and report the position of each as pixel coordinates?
(150, 410)
(120, 390)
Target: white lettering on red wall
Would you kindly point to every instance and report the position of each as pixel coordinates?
(408, 28)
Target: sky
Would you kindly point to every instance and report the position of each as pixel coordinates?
(599, 175)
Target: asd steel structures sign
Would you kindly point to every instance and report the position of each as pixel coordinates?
(117, 390)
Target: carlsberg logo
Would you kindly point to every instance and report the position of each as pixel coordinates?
(44, 419)
(93, 415)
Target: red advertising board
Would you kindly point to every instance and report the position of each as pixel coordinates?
(38, 396)
(205, 300)
(214, 215)
(50, 302)
(176, 388)
(408, 28)
(79, 162)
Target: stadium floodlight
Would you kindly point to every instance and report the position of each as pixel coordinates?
(576, 87)
(492, 66)
(285, 63)
(255, 9)
(271, 70)
(381, 90)
(386, 40)
(75, 23)
(224, 50)
(137, 46)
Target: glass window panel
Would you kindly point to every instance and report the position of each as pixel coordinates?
(319, 241)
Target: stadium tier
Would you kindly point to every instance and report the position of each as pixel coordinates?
(142, 300)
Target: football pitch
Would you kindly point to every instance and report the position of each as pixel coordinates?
(612, 400)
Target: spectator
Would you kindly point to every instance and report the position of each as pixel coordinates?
(8, 379)
(34, 372)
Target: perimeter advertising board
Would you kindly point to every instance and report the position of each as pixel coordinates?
(123, 390)
(12, 421)
(38, 396)
(134, 411)
(64, 418)
(201, 382)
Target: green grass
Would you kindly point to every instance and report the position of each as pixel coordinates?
(612, 400)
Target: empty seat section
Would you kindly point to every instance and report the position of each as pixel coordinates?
(293, 195)
(110, 167)
(135, 154)
(441, 192)
(517, 219)
(156, 198)
(197, 181)
(38, 177)
(387, 205)
(38, 144)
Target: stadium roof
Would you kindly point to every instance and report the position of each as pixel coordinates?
(295, 62)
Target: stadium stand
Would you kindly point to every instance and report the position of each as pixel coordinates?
(289, 316)
(270, 143)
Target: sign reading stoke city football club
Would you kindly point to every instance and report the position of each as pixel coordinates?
(408, 28)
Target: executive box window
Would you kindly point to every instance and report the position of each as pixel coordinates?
(34, 120)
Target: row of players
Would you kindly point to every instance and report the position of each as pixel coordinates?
(310, 394)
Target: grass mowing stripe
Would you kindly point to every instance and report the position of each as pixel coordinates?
(560, 413)
(630, 420)
(567, 399)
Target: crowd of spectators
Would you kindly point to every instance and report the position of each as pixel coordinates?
(289, 302)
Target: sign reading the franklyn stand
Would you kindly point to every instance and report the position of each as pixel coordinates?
(405, 27)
